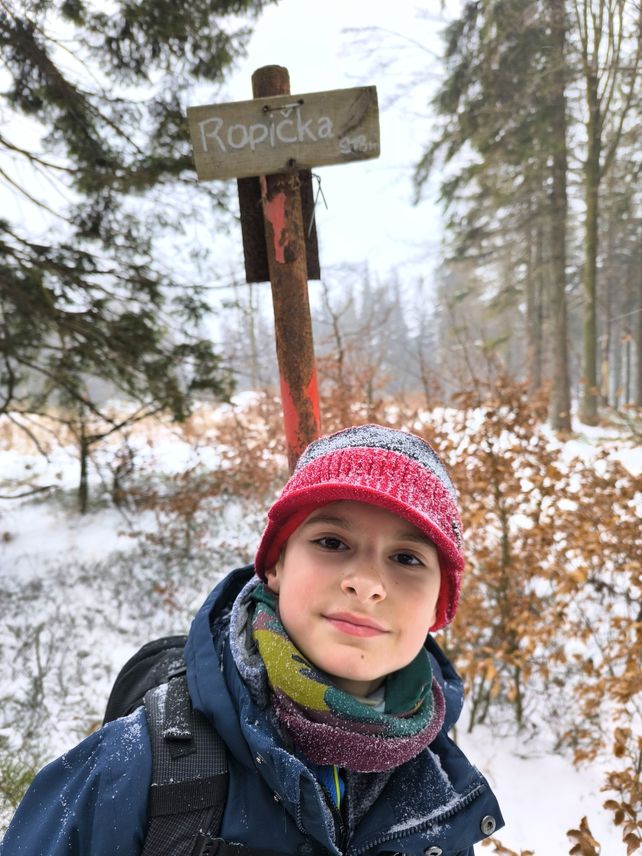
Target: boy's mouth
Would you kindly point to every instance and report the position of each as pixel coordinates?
(355, 625)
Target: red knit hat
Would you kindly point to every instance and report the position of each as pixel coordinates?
(391, 469)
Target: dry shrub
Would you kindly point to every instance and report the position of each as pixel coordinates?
(500, 849)
(585, 844)
(351, 394)
(507, 477)
(254, 459)
(249, 450)
(250, 465)
(550, 624)
(548, 636)
(625, 784)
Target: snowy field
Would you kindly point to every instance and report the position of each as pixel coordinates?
(78, 595)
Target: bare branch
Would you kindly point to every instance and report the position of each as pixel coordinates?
(28, 196)
(31, 492)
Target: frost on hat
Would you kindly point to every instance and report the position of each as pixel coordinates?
(381, 466)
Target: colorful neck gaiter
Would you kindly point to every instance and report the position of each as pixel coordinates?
(329, 725)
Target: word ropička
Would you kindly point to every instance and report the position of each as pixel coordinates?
(280, 127)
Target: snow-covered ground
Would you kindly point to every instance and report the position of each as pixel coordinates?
(78, 595)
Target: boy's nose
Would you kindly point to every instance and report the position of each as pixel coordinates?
(364, 582)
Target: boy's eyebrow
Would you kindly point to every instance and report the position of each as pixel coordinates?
(329, 519)
(419, 537)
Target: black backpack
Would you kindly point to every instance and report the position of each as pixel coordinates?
(189, 762)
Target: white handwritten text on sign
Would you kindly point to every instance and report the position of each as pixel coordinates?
(283, 133)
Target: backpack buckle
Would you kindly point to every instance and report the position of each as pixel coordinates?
(205, 845)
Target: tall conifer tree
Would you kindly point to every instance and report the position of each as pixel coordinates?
(96, 176)
(502, 137)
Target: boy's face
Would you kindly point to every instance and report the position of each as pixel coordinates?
(357, 588)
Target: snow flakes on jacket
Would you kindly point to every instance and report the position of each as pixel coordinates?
(93, 800)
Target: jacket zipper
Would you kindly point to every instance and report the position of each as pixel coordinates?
(340, 828)
(440, 818)
(341, 836)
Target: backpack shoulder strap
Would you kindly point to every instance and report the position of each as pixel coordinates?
(189, 775)
(189, 779)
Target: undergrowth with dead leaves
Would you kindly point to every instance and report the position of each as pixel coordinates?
(548, 636)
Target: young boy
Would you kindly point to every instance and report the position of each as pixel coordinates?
(319, 675)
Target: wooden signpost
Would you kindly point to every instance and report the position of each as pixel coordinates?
(282, 133)
(269, 144)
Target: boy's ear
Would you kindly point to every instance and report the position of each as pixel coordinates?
(273, 574)
(273, 579)
(434, 616)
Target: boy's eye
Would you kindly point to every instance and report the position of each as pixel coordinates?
(408, 559)
(330, 543)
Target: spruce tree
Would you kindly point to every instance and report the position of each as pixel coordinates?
(96, 176)
(501, 136)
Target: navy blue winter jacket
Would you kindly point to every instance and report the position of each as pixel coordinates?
(93, 800)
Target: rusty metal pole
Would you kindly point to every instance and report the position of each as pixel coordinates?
(286, 254)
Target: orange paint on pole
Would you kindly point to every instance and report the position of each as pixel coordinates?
(274, 211)
(301, 417)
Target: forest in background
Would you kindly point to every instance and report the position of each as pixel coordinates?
(535, 312)
(532, 133)
(533, 137)
(539, 137)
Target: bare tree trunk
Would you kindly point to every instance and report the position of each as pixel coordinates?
(560, 399)
(589, 397)
(611, 352)
(83, 483)
(615, 368)
(533, 326)
(638, 330)
(342, 391)
(535, 307)
(627, 367)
